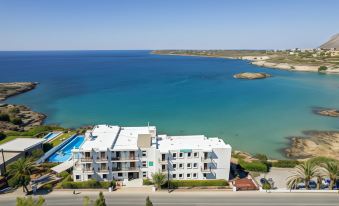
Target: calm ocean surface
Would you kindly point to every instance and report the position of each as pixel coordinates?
(180, 95)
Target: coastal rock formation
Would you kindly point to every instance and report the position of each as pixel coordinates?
(326, 112)
(27, 118)
(315, 143)
(250, 75)
(14, 88)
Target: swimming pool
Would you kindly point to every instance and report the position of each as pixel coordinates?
(65, 152)
(51, 135)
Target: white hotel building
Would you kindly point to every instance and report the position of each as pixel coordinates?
(121, 153)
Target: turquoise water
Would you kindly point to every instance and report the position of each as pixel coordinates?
(180, 95)
(65, 152)
(51, 135)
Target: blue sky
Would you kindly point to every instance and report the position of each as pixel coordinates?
(173, 24)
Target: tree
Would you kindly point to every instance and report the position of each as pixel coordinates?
(303, 173)
(101, 200)
(36, 154)
(148, 201)
(29, 201)
(322, 68)
(20, 171)
(332, 171)
(158, 179)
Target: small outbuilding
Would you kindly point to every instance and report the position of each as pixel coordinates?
(19, 147)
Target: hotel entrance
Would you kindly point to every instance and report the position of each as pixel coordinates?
(133, 175)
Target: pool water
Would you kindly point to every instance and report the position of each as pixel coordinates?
(65, 152)
(51, 135)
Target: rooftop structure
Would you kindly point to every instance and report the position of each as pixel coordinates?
(21, 144)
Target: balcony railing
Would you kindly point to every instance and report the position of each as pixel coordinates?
(123, 158)
(87, 159)
(124, 168)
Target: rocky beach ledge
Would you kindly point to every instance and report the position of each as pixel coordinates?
(250, 75)
(313, 144)
(17, 117)
(14, 88)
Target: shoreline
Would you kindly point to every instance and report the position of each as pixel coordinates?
(261, 61)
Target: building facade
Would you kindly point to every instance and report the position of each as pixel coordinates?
(125, 153)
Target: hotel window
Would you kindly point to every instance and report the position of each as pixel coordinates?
(77, 177)
(196, 154)
(174, 166)
(144, 174)
(174, 155)
(195, 175)
(144, 153)
(163, 157)
(181, 175)
(163, 167)
(189, 154)
(144, 164)
(205, 175)
(89, 177)
(189, 165)
(195, 165)
(188, 175)
(119, 174)
(104, 176)
(181, 155)
(174, 176)
(181, 166)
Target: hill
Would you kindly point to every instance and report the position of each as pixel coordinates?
(332, 43)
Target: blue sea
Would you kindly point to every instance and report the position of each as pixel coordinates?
(180, 95)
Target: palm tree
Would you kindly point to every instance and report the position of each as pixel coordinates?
(303, 173)
(158, 179)
(332, 171)
(20, 171)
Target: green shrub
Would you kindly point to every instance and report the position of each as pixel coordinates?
(37, 153)
(113, 184)
(4, 117)
(90, 184)
(2, 136)
(47, 146)
(261, 157)
(147, 182)
(63, 174)
(322, 68)
(16, 121)
(255, 166)
(266, 186)
(48, 187)
(14, 111)
(285, 163)
(197, 183)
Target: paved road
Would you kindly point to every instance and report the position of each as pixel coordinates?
(191, 199)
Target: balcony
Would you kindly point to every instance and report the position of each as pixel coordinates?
(103, 170)
(102, 159)
(122, 169)
(124, 159)
(206, 169)
(88, 170)
(86, 159)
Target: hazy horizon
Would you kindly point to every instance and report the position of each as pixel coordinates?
(148, 25)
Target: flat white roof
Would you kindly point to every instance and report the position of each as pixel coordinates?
(123, 138)
(192, 142)
(128, 137)
(21, 144)
(103, 137)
